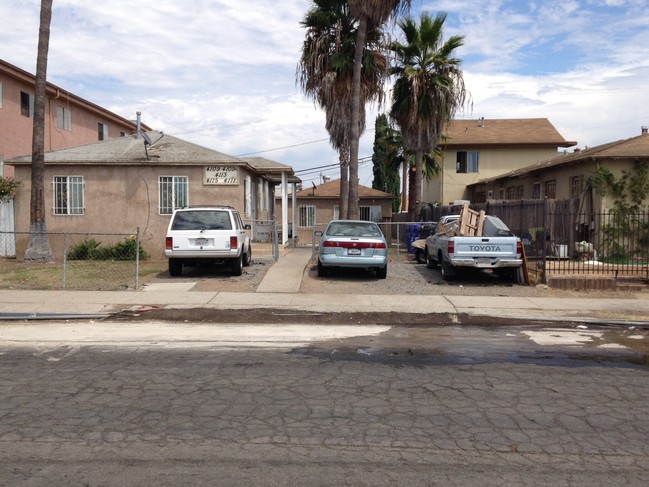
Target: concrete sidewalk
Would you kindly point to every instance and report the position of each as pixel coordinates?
(280, 290)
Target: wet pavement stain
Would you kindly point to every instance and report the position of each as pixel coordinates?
(473, 345)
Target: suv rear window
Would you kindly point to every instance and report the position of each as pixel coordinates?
(202, 220)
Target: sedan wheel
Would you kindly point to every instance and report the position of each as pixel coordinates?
(322, 270)
(382, 272)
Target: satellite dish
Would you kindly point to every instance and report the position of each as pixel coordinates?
(147, 139)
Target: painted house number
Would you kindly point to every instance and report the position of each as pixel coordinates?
(221, 175)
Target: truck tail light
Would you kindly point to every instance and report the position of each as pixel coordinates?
(451, 247)
(169, 243)
(234, 242)
(519, 249)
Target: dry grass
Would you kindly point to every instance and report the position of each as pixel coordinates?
(82, 275)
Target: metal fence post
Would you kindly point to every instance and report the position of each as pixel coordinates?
(65, 258)
(275, 241)
(137, 258)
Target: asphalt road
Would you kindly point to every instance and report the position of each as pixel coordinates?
(160, 404)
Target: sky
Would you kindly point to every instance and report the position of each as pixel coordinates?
(222, 73)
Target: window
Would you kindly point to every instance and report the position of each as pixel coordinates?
(307, 215)
(511, 193)
(26, 104)
(63, 118)
(68, 195)
(536, 191)
(173, 193)
(370, 213)
(467, 161)
(520, 192)
(551, 189)
(102, 131)
(576, 186)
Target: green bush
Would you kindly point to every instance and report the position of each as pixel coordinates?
(90, 249)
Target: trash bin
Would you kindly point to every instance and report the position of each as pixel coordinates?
(412, 234)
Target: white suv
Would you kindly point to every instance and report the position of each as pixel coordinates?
(213, 234)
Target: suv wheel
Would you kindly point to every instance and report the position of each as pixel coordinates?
(237, 266)
(175, 267)
(247, 257)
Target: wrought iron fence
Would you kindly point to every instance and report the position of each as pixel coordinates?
(559, 238)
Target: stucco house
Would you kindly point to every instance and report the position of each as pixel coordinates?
(477, 149)
(136, 181)
(70, 120)
(564, 176)
(320, 204)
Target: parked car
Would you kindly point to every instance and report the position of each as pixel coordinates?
(207, 235)
(352, 244)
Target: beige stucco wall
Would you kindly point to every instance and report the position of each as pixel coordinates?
(119, 199)
(450, 185)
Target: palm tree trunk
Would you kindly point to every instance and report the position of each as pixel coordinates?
(355, 125)
(411, 193)
(343, 208)
(38, 247)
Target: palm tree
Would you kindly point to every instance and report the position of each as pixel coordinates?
(428, 90)
(394, 156)
(38, 247)
(325, 73)
(370, 14)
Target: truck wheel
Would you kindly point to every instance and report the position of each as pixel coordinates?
(420, 256)
(430, 262)
(175, 267)
(237, 266)
(448, 273)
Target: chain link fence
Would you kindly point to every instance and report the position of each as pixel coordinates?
(80, 261)
(104, 261)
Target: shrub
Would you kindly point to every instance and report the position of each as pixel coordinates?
(90, 249)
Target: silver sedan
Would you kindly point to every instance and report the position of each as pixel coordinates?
(352, 244)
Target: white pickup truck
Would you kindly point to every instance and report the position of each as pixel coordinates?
(497, 248)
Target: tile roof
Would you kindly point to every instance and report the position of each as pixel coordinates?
(331, 189)
(537, 132)
(633, 148)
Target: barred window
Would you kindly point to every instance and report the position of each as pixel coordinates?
(536, 191)
(307, 215)
(551, 189)
(173, 193)
(68, 195)
(576, 186)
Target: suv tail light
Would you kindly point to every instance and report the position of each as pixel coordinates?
(234, 242)
(169, 243)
